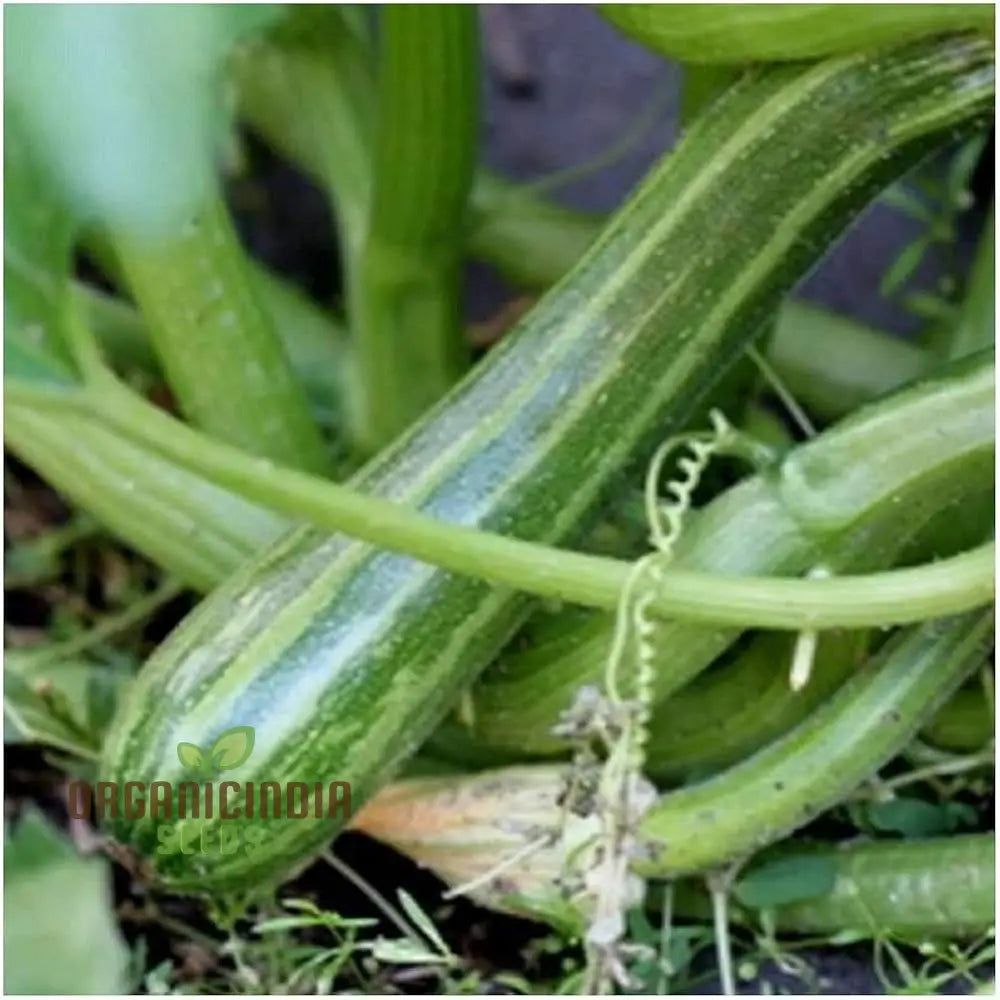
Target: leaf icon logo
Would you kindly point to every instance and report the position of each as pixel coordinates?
(191, 757)
(230, 749)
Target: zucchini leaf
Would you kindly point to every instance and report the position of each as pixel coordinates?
(123, 101)
(61, 938)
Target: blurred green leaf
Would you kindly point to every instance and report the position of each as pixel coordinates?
(781, 881)
(903, 267)
(423, 922)
(406, 952)
(124, 102)
(65, 704)
(60, 935)
(898, 197)
(30, 561)
(912, 817)
(961, 169)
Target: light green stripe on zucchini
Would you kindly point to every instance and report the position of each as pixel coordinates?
(344, 657)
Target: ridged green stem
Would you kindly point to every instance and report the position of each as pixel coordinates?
(219, 349)
(192, 528)
(316, 344)
(406, 305)
(308, 88)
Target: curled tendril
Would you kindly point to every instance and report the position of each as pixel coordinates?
(613, 791)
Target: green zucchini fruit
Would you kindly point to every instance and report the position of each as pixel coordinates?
(914, 889)
(731, 711)
(866, 723)
(751, 32)
(849, 499)
(343, 657)
(965, 724)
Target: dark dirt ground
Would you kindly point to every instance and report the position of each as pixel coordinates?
(562, 87)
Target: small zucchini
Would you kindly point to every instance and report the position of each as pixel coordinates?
(941, 887)
(866, 723)
(342, 657)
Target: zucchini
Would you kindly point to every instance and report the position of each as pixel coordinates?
(734, 710)
(942, 887)
(464, 827)
(863, 726)
(848, 499)
(343, 657)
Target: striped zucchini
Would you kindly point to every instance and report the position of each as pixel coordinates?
(864, 725)
(849, 499)
(466, 826)
(343, 657)
(734, 710)
(916, 889)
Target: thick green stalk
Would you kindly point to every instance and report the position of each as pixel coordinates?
(316, 344)
(308, 88)
(197, 531)
(218, 346)
(781, 788)
(406, 306)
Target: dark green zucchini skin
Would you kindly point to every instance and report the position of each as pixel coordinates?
(343, 657)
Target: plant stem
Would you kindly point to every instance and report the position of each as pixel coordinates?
(976, 325)
(183, 522)
(346, 871)
(406, 304)
(219, 349)
(719, 892)
(895, 597)
(307, 87)
(111, 625)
